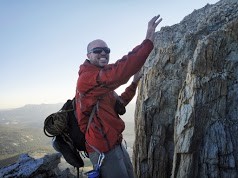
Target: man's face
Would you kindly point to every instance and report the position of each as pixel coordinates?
(98, 53)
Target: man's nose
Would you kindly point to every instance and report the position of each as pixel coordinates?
(103, 52)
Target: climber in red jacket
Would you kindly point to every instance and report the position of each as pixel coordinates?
(96, 83)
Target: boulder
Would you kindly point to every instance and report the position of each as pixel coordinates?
(44, 167)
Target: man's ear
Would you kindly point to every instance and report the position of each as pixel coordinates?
(88, 55)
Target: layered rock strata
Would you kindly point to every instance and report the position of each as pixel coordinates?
(186, 118)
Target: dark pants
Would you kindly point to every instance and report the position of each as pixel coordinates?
(116, 164)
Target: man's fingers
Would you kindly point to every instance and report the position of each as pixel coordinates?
(158, 21)
(155, 18)
(153, 22)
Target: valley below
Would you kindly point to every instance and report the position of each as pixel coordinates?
(16, 139)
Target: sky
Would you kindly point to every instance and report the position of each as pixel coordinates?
(43, 42)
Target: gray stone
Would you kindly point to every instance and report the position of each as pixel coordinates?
(44, 167)
(186, 118)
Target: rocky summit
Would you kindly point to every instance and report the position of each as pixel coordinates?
(187, 107)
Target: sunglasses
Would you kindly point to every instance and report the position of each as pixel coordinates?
(98, 50)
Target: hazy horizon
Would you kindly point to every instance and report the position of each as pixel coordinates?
(58, 103)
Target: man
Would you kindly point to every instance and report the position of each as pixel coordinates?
(95, 87)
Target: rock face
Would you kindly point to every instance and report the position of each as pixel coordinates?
(27, 166)
(186, 119)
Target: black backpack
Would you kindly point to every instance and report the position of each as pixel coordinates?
(67, 137)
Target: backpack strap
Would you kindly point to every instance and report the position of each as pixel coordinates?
(89, 122)
(92, 114)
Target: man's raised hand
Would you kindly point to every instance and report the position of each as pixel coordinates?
(152, 24)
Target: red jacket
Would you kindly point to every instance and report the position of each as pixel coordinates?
(95, 83)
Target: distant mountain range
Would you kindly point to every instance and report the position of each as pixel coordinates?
(36, 114)
(28, 114)
(21, 130)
